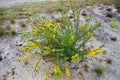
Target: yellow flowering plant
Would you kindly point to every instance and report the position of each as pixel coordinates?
(60, 39)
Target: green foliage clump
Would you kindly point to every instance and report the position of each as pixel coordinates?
(63, 40)
(22, 24)
(99, 70)
(12, 21)
(13, 32)
(1, 31)
(109, 61)
(10, 30)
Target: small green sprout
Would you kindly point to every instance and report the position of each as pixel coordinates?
(13, 32)
(22, 24)
(99, 70)
(109, 61)
(12, 21)
(2, 31)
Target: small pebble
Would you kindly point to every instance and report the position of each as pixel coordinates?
(19, 45)
(109, 9)
(70, 16)
(7, 53)
(0, 52)
(109, 15)
(17, 54)
(1, 58)
(84, 13)
(5, 57)
(13, 72)
(113, 38)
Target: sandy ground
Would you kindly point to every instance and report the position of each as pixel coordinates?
(10, 49)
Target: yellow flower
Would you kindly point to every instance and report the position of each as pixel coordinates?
(26, 40)
(83, 27)
(57, 70)
(34, 45)
(48, 25)
(75, 58)
(25, 58)
(36, 64)
(55, 30)
(92, 53)
(46, 47)
(35, 32)
(89, 34)
(35, 27)
(52, 35)
(46, 76)
(40, 23)
(72, 37)
(101, 51)
(95, 51)
(53, 50)
(30, 20)
(25, 48)
(30, 31)
(67, 71)
(23, 35)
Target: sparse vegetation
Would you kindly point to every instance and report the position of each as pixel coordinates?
(86, 66)
(22, 24)
(7, 31)
(12, 21)
(13, 32)
(3, 12)
(109, 61)
(26, 63)
(8, 27)
(99, 70)
(1, 31)
(28, 9)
